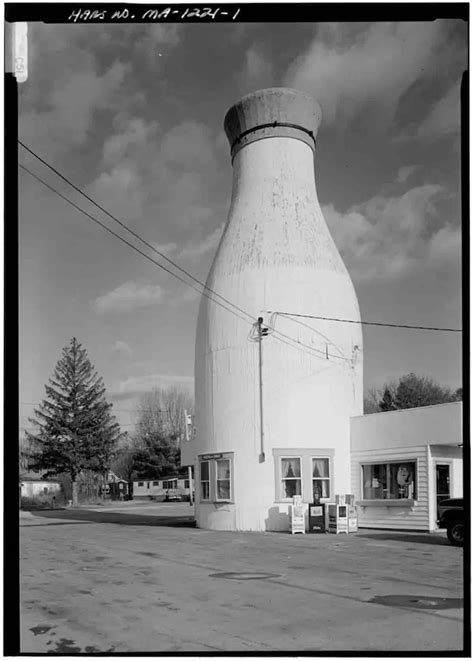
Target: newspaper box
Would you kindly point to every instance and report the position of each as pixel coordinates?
(352, 521)
(338, 519)
(297, 516)
(317, 518)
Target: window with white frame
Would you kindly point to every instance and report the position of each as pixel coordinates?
(204, 479)
(389, 481)
(222, 479)
(303, 472)
(216, 477)
(290, 477)
(321, 478)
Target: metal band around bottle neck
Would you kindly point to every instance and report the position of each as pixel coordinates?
(273, 130)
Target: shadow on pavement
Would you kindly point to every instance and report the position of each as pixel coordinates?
(427, 538)
(120, 518)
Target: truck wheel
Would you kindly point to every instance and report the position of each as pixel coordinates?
(456, 533)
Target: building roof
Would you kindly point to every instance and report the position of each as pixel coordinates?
(32, 476)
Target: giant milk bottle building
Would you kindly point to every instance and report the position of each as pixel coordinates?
(272, 411)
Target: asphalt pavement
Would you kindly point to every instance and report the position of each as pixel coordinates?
(139, 577)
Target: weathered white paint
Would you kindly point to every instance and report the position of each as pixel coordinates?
(427, 435)
(276, 254)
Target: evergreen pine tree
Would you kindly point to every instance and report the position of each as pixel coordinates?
(76, 430)
(387, 403)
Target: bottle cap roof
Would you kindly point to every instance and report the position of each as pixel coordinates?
(272, 112)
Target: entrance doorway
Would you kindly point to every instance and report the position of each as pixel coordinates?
(443, 481)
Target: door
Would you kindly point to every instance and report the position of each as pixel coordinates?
(443, 490)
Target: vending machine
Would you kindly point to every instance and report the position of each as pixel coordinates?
(317, 517)
(352, 521)
(297, 512)
(338, 519)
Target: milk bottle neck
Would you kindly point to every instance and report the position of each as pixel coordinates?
(275, 166)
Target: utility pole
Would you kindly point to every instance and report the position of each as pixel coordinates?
(261, 333)
(188, 420)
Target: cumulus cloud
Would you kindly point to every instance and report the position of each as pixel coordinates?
(134, 133)
(367, 69)
(444, 247)
(167, 249)
(121, 191)
(129, 296)
(67, 119)
(406, 172)
(188, 142)
(389, 237)
(150, 175)
(257, 72)
(136, 386)
(203, 247)
(122, 349)
(70, 80)
(444, 118)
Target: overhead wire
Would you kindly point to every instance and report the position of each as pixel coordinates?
(297, 343)
(98, 222)
(132, 232)
(366, 323)
(150, 259)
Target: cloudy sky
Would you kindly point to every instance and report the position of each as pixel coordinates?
(133, 115)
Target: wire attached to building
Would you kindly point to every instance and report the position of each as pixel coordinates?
(132, 232)
(367, 323)
(205, 287)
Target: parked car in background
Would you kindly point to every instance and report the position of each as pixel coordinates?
(451, 517)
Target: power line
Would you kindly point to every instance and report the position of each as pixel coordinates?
(137, 236)
(367, 323)
(301, 323)
(189, 275)
(146, 243)
(98, 222)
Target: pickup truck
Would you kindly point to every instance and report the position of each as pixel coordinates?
(451, 517)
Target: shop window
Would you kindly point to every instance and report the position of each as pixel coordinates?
(389, 481)
(321, 479)
(204, 478)
(216, 477)
(290, 477)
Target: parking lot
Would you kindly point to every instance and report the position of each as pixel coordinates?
(139, 577)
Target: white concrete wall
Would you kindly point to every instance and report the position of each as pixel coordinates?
(276, 254)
